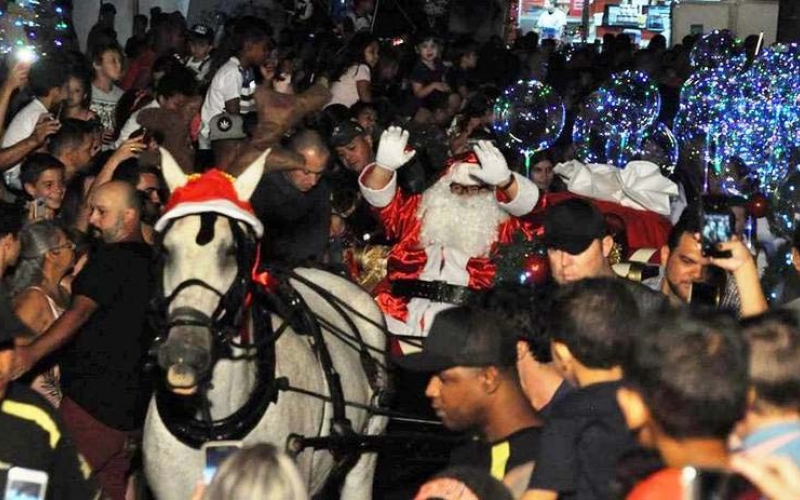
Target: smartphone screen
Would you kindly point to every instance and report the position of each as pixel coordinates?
(717, 228)
(215, 455)
(25, 484)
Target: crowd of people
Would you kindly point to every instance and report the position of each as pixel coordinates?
(582, 385)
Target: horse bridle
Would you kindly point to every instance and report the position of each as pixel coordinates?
(224, 324)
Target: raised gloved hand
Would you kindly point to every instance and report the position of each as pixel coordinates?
(392, 152)
(494, 170)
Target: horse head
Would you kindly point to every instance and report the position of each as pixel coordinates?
(208, 250)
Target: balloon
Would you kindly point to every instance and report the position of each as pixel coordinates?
(604, 133)
(529, 116)
(660, 147)
(632, 95)
(718, 49)
(786, 205)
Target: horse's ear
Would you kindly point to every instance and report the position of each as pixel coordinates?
(172, 171)
(246, 183)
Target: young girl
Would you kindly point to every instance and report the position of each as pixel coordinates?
(427, 76)
(352, 77)
(107, 65)
(42, 177)
(79, 96)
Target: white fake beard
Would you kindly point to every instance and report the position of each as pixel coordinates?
(464, 222)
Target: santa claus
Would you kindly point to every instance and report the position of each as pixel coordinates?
(445, 237)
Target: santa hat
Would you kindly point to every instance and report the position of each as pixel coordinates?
(212, 191)
(458, 169)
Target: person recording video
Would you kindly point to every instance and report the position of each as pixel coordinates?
(727, 281)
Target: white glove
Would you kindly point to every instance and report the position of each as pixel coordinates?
(494, 169)
(392, 152)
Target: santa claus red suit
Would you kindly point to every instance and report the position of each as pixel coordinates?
(446, 236)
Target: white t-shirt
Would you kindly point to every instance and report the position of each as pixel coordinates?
(104, 104)
(132, 124)
(225, 86)
(344, 90)
(20, 128)
(551, 25)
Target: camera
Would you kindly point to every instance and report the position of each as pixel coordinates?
(716, 226)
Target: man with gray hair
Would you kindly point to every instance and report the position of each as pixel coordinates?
(294, 205)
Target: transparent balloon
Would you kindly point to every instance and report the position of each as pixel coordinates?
(660, 147)
(786, 205)
(718, 49)
(529, 116)
(603, 133)
(633, 96)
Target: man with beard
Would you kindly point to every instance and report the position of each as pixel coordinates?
(105, 337)
(446, 235)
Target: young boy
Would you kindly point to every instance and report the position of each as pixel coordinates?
(201, 41)
(685, 387)
(585, 434)
(427, 76)
(229, 92)
(42, 176)
(772, 423)
(107, 66)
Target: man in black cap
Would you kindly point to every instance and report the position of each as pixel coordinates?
(578, 246)
(201, 41)
(33, 435)
(471, 355)
(353, 145)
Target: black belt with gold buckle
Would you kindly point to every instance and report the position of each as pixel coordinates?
(437, 291)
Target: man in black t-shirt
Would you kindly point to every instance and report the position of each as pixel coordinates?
(590, 325)
(33, 436)
(474, 387)
(106, 337)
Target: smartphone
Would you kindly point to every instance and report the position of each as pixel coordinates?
(705, 294)
(716, 226)
(25, 484)
(714, 484)
(39, 205)
(216, 452)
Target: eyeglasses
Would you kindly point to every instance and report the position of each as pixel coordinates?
(68, 245)
(461, 189)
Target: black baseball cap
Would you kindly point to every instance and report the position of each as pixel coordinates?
(463, 336)
(201, 31)
(344, 133)
(573, 225)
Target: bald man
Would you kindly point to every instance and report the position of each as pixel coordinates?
(115, 212)
(105, 336)
(295, 205)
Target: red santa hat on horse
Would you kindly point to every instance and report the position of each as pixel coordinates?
(445, 236)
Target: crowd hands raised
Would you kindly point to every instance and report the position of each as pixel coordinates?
(592, 385)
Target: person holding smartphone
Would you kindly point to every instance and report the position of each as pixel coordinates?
(684, 265)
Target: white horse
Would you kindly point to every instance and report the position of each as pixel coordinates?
(204, 251)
